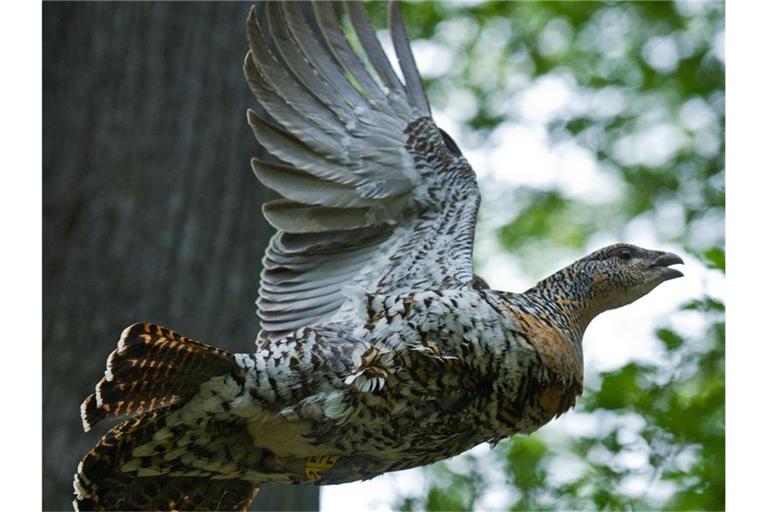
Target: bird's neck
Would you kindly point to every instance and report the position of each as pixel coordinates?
(567, 296)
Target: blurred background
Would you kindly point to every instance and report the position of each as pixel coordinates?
(587, 123)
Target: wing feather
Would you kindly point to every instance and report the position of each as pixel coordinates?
(316, 52)
(302, 68)
(300, 187)
(293, 217)
(372, 47)
(298, 125)
(413, 84)
(348, 60)
(373, 197)
(311, 112)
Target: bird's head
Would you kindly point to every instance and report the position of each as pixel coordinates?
(608, 278)
(622, 273)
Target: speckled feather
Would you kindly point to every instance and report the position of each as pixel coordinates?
(380, 349)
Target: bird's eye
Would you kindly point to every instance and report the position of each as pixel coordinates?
(625, 255)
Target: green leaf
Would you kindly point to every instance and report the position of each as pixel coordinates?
(444, 499)
(671, 339)
(715, 258)
(621, 388)
(704, 305)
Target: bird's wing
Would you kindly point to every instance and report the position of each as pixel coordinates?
(375, 196)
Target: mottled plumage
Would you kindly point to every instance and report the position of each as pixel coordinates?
(380, 349)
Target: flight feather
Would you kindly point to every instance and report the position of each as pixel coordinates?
(375, 198)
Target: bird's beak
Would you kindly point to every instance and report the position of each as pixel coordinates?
(664, 260)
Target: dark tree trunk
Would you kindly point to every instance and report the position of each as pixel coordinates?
(150, 210)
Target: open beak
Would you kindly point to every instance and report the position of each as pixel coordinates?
(664, 260)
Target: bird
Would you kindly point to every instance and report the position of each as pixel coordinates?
(380, 349)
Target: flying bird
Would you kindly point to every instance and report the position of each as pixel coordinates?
(379, 348)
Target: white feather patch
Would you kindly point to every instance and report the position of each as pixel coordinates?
(86, 424)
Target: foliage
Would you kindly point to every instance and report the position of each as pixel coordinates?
(635, 90)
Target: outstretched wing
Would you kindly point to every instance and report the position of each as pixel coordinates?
(375, 196)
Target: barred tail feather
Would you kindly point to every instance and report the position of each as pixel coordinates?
(152, 368)
(153, 373)
(101, 485)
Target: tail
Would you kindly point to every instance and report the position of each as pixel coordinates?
(152, 373)
(152, 368)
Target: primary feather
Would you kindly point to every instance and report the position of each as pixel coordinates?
(380, 349)
(374, 198)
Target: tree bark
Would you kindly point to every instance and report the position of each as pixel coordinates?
(150, 210)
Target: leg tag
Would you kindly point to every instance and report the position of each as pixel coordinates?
(316, 465)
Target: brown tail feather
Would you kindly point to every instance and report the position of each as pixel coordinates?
(100, 485)
(152, 373)
(153, 368)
